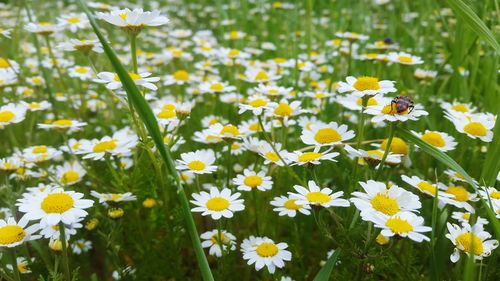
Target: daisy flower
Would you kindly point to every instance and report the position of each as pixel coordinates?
(81, 72)
(377, 198)
(262, 251)
(228, 131)
(389, 113)
(83, 45)
(22, 265)
(12, 113)
(217, 203)
(366, 85)
(427, 188)
(272, 90)
(425, 75)
(216, 87)
(40, 153)
(456, 176)
(5, 32)
(404, 58)
(198, 162)
(316, 196)
(287, 206)
(458, 107)
(270, 156)
(474, 126)
(7, 77)
(310, 157)
(36, 106)
(464, 218)
(326, 134)
(52, 206)
(490, 193)
(256, 75)
(113, 82)
(73, 22)
(251, 179)
(459, 196)
(120, 144)
(81, 246)
(180, 77)
(69, 173)
(353, 102)
(135, 19)
(210, 239)
(14, 233)
(404, 224)
(255, 103)
(439, 140)
(351, 36)
(470, 239)
(52, 231)
(42, 28)
(284, 110)
(63, 124)
(113, 197)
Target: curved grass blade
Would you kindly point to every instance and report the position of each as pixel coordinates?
(325, 272)
(470, 18)
(448, 161)
(491, 164)
(147, 116)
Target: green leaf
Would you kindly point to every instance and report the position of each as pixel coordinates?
(448, 161)
(146, 114)
(325, 272)
(491, 165)
(466, 14)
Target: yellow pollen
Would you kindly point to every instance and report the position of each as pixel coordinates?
(123, 15)
(63, 122)
(366, 83)
(405, 59)
(233, 53)
(460, 193)
(267, 249)
(466, 216)
(434, 139)
(81, 70)
(57, 203)
(381, 239)
(309, 156)
(495, 195)
(69, 177)
(235, 146)
(371, 102)
(291, 205)
(6, 116)
(73, 20)
(327, 135)
(318, 197)
(253, 181)
(279, 60)
(391, 109)
(398, 146)
(425, 186)
(217, 204)
(385, 204)
(11, 234)
(233, 35)
(261, 76)
(196, 165)
(230, 130)
(4, 63)
(104, 146)
(181, 75)
(469, 242)
(460, 107)
(217, 87)
(272, 156)
(476, 129)
(258, 103)
(399, 225)
(39, 149)
(166, 114)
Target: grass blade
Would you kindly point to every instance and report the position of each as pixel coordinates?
(325, 272)
(149, 120)
(491, 164)
(467, 15)
(448, 161)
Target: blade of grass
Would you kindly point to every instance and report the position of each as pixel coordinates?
(325, 272)
(470, 18)
(448, 161)
(147, 116)
(491, 164)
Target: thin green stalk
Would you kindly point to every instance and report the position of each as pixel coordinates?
(65, 259)
(387, 149)
(13, 256)
(55, 63)
(133, 51)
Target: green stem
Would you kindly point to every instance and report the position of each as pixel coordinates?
(361, 127)
(387, 149)
(13, 256)
(133, 51)
(62, 237)
(228, 180)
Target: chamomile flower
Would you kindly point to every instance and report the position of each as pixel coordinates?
(470, 239)
(42, 28)
(255, 103)
(353, 102)
(136, 18)
(70, 173)
(52, 206)
(404, 224)
(81, 72)
(7, 78)
(22, 265)
(105, 198)
(464, 218)
(425, 187)
(351, 36)
(40, 153)
(216, 87)
(217, 204)
(214, 241)
(84, 45)
(73, 22)
(456, 107)
(459, 196)
(404, 58)
(378, 198)
(120, 144)
(81, 246)
(251, 180)
(262, 251)
(326, 134)
(287, 206)
(310, 157)
(228, 131)
(52, 231)
(12, 113)
(270, 154)
(113, 82)
(14, 233)
(366, 85)
(36, 106)
(272, 90)
(439, 140)
(257, 75)
(388, 112)
(198, 162)
(284, 110)
(474, 126)
(316, 196)
(72, 125)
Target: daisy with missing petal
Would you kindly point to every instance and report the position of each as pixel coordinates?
(22, 265)
(198, 162)
(310, 157)
(217, 203)
(474, 126)
(439, 140)
(11, 114)
(70, 173)
(262, 251)
(389, 113)
(326, 134)
(287, 206)
(14, 233)
(210, 239)
(470, 239)
(404, 58)
(377, 198)
(366, 85)
(113, 82)
(54, 205)
(316, 196)
(251, 180)
(404, 224)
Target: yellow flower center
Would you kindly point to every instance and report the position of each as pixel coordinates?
(233, 35)
(309, 156)
(34, 105)
(398, 146)
(233, 53)
(196, 165)
(291, 205)
(466, 216)
(460, 193)
(425, 186)
(6, 116)
(63, 122)
(255, 127)
(279, 60)
(181, 75)
(217, 87)
(318, 197)
(81, 70)
(11, 234)
(261, 76)
(215, 238)
(217, 204)
(283, 110)
(381, 239)
(104, 146)
(460, 107)
(166, 114)
(253, 181)
(385, 204)
(73, 20)
(272, 156)
(371, 101)
(327, 135)
(405, 59)
(39, 149)
(434, 139)
(399, 225)
(69, 177)
(57, 203)
(4, 63)
(116, 196)
(470, 242)
(267, 249)
(230, 130)
(391, 109)
(258, 103)
(475, 129)
(495, 195)
(366, 83)
(123, 15)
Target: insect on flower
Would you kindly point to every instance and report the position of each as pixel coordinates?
(403, 103)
